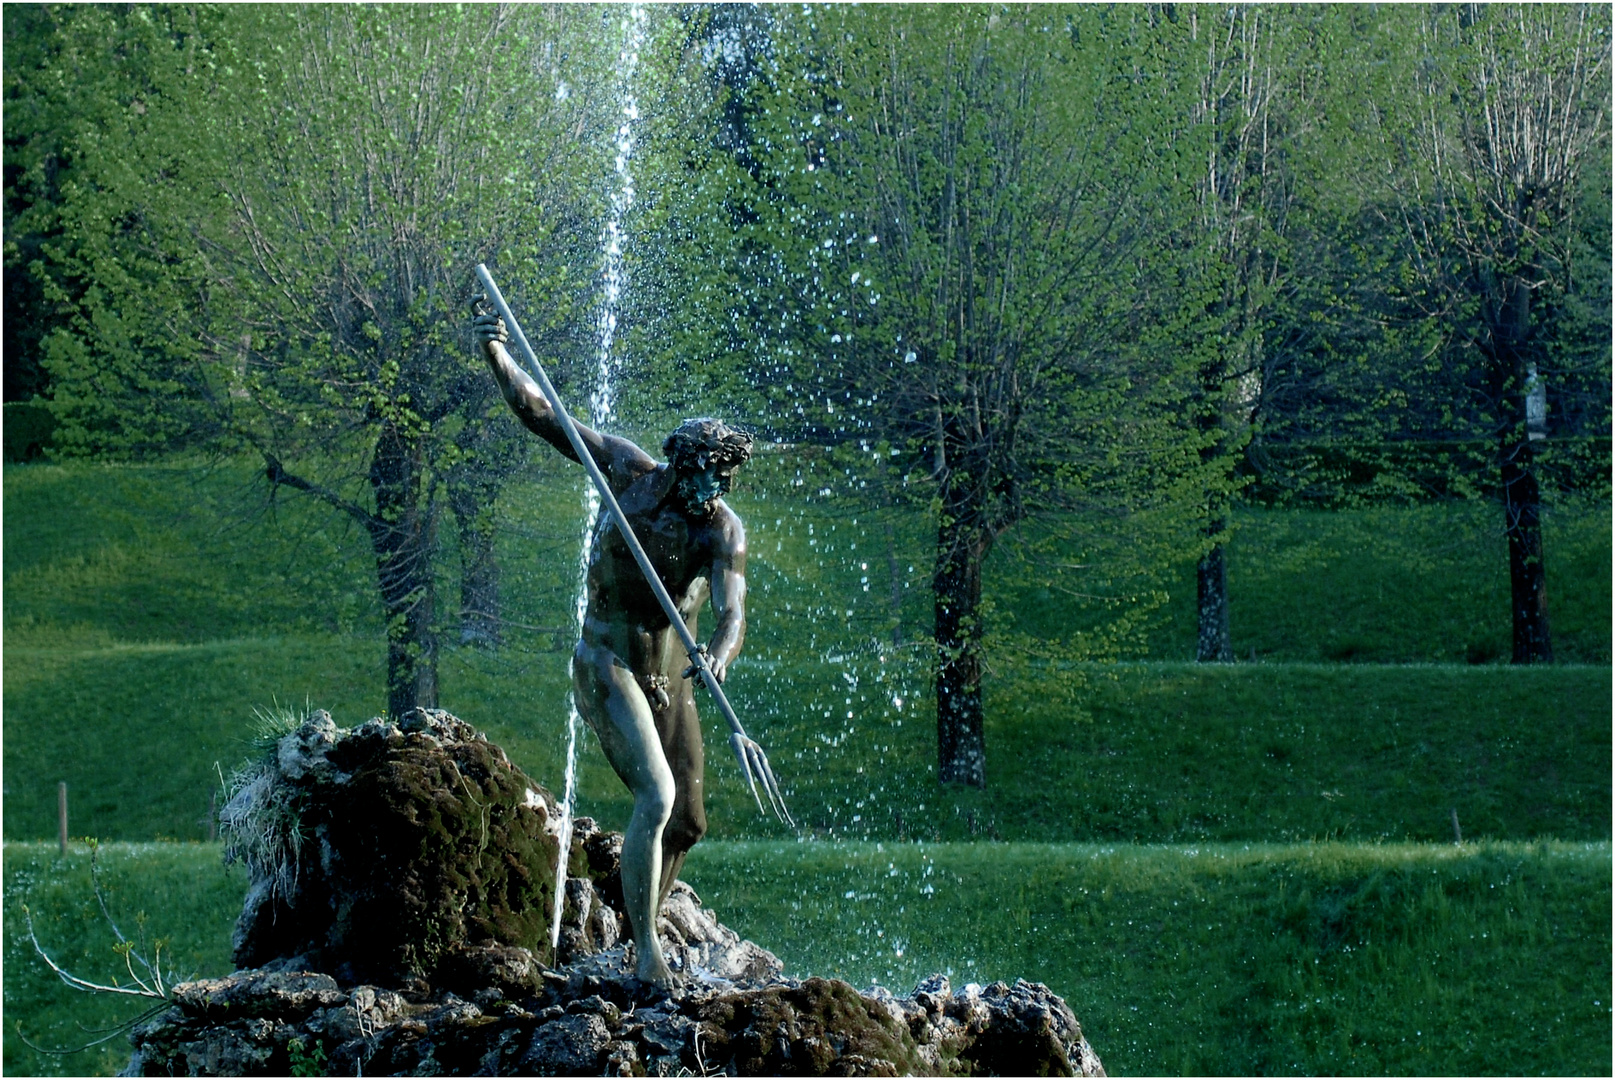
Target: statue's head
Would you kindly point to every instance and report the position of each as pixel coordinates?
(704, 454)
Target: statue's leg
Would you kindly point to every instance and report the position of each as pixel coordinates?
(615, 707)
(680, 731)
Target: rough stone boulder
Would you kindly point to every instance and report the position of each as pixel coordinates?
(599, 1023)
(397, 920)
(385, 853)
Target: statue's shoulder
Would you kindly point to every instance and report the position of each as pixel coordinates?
(729, 532)
(629, 464)
(649, 467)
(638, 480)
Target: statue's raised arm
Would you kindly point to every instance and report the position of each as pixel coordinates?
(620, 460)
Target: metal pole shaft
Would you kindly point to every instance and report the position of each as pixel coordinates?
(562, 417)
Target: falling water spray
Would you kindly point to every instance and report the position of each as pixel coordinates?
(602, 401)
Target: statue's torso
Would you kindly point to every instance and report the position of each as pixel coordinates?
(623, 613)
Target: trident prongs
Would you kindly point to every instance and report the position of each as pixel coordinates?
(754, 764)
(739, 743)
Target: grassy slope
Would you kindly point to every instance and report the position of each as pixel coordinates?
(1217, 959)
(1169, 751)
(1327, 958)
(178, 893)
(1382, 585)
(113, 577)
(98, 555)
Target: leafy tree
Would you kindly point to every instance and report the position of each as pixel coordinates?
(1505, 109)
(1243, 89)
(933, 250)
(309, 190)
(35, 133)
(80, 82)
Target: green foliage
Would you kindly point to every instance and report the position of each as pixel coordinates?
(924, 244)
(28, 428)
(1109, 245)
(1493, 145)
(306, 1061)
(278, 244)
(920, 237)
(275, 225)
(85, 141)
(1243, 111)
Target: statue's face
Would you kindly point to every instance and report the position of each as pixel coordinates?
(702, 481)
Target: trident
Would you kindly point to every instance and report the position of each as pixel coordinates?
(753, 762)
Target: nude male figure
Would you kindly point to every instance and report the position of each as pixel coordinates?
(629, 669)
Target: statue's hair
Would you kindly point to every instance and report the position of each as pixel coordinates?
(721, 443)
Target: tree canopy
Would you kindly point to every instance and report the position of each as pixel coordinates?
(268, 250)
(1022, 269)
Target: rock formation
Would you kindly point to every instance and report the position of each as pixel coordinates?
(377, 854)
(397, 924)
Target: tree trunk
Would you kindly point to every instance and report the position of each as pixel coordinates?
(894, 569)
(1213, 643)
(894, 573)
(402, 535)
(961, 548)
(1528, 586)
(1510, 325)
(472, 500)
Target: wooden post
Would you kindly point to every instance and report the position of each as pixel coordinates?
(213, 815)
(1457, 833)
(61, 815)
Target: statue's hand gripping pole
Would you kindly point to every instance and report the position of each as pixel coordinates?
(753, 762)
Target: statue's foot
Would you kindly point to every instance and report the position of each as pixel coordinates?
(653, 970)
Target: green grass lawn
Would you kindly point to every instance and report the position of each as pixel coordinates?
(147, 600)
(1159, 752)
(1354, 959)
(96, 555)
(1219, 959)
(1401, 585)
(102, 555)
(179, 894)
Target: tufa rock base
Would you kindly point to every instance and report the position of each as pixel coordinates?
(258, 1023)
(396, 923)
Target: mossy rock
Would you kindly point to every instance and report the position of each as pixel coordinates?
(415, 842)
(823, 1027)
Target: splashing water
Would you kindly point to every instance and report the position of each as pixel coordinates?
(614, 279)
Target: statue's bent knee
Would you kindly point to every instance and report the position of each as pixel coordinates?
(656, 802)
(685, 829)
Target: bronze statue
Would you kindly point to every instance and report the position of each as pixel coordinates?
(630, 677)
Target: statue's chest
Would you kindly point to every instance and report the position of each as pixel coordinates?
(676, 549)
